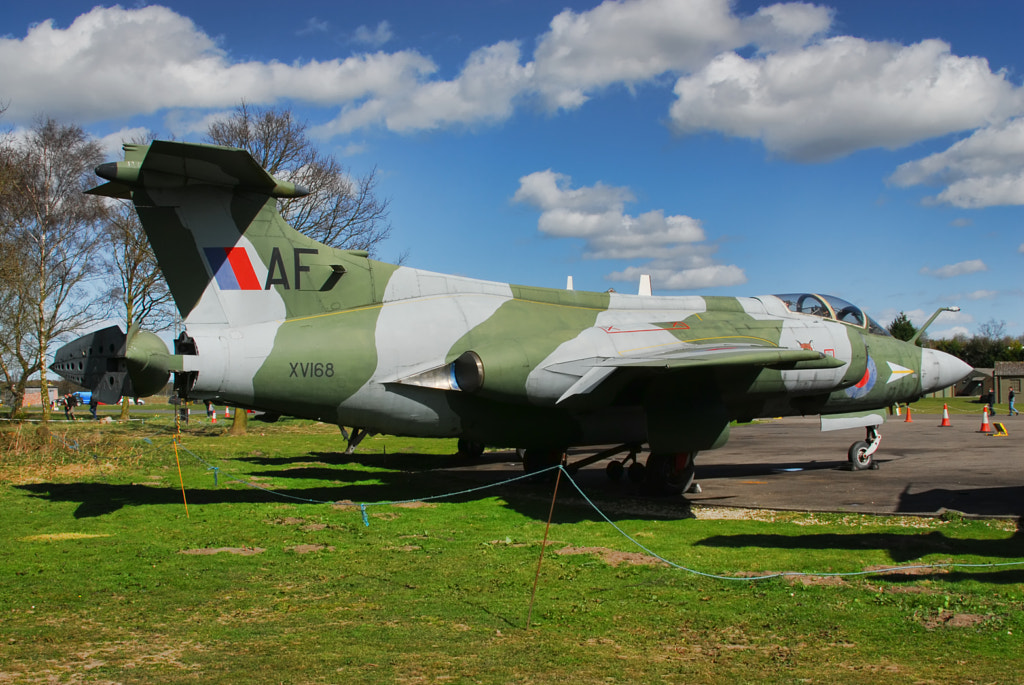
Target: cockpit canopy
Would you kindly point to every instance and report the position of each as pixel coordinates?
(831, 307)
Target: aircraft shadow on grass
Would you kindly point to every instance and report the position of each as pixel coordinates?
(903, 548)
(406, 478)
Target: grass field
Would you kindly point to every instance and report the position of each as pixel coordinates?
(273, 576)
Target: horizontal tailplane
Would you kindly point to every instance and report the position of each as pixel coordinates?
(229, 257)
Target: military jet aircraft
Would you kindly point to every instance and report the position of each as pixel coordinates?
(278, 322)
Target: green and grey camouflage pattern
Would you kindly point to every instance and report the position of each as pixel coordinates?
(278, 322)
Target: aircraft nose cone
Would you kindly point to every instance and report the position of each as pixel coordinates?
(940, 370)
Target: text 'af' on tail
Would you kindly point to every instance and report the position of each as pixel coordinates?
(211, 214)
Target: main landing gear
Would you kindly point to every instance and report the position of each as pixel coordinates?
(862, 452)
(469, 449)
(663, 474)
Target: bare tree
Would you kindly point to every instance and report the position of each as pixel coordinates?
(137, 282)
(52, 228)
(13, 313)
(19, 358)
(140, 287)
(992, 329)
(340, 210)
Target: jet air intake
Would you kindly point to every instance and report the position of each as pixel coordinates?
(499, 374)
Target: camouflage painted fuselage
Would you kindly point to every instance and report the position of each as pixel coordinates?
(282, 323)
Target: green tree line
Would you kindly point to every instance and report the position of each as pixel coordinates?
(989, 345)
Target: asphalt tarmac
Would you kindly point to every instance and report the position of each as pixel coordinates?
(789, 464)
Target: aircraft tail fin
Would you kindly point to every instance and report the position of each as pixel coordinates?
(211, 215)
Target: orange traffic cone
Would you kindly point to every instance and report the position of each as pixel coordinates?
(213, 416)
(985, 427)
(945, 417)
(908, 419)
(227, 412)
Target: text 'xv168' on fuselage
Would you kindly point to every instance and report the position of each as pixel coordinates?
(278, 322)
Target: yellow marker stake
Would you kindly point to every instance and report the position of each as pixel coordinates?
(182, 480)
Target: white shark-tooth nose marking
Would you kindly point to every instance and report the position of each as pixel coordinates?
(940, 370)
(898, 372)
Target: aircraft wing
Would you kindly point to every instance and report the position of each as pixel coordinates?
(593, 372)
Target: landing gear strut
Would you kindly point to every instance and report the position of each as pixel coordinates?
(665, 473)
(861, 453)
(535, 460)
(470, 449)
(629, 465)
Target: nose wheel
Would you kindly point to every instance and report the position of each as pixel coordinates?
(862, 453)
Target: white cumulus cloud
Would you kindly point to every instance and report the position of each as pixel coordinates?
(484, 91)
(633, 42)
(374, 37)
(843, 94)
(113, 143)
(970, 266)
(313, 25)
(674, 245)
(983, 170)
(773, 75)
(949, 333)
(113, 62)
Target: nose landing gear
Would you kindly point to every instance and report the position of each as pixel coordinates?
(861, 453)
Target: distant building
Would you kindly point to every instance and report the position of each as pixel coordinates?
(32, 396)
(978, 383)
(1007, 375)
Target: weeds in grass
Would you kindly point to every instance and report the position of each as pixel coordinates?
(36, 453)
(103, 579)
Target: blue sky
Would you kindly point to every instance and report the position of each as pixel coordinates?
(867, 149)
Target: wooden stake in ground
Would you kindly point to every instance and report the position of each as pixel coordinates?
(544, 543)
(180, 478)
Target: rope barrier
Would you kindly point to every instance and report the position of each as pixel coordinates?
(66, 443)
(564, 472)
(81, 421)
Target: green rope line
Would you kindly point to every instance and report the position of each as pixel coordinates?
(784, 574)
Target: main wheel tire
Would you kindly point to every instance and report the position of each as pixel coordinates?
(859, 458)
(535, 460)
(670, 474)
(637, 472)
(615, 469)
(470, 449)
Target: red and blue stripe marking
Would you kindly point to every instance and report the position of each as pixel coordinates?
(231, 268)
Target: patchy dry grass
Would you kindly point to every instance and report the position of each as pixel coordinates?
(104, 579)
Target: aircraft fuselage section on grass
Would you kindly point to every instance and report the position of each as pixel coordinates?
(279, 322)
